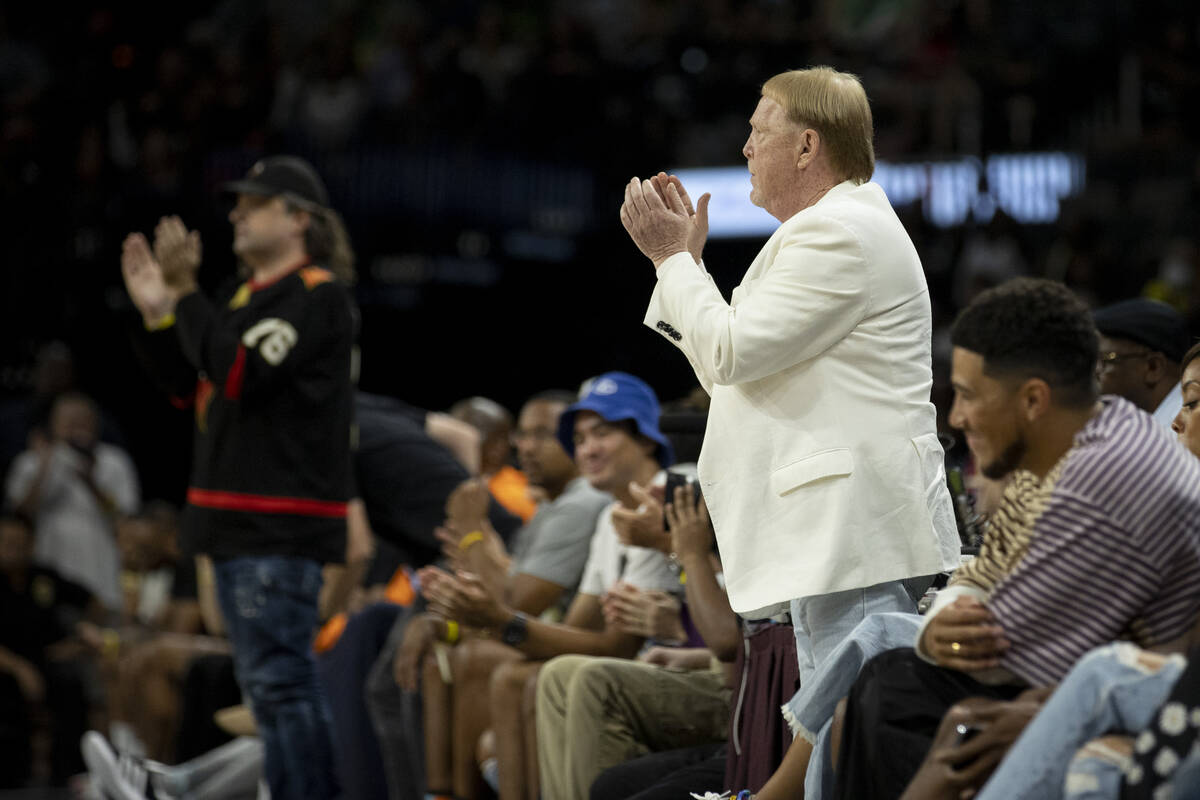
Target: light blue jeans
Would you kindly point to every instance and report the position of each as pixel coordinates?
(810, 711)
(1096, 778)
(824, 621)
(1108, 690)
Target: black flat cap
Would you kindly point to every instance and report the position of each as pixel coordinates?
(289, 176)
(1147, 322)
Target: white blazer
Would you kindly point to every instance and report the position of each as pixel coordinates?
(821, 464)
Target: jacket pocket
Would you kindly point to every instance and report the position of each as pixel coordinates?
(826, 464)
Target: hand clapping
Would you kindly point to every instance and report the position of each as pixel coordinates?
(659, 217)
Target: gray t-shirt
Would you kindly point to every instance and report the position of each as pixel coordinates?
(554, 544)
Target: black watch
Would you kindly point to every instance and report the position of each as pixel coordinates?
(515, 630)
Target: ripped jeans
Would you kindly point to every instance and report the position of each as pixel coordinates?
(270, 608)
(1112, 688)
(810, 711)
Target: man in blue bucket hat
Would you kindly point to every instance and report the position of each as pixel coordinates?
(618, 397)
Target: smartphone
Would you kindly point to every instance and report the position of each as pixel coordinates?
(675, 479)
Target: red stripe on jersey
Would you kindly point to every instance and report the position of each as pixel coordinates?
(233, 381)
(265, 504)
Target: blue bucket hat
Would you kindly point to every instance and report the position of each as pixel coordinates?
(618, 396)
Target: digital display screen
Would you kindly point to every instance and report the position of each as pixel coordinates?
(1027, 186)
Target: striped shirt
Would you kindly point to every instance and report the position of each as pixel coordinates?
(1114, 553)
(1009, 529)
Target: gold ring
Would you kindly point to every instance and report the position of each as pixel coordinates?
(955, 646)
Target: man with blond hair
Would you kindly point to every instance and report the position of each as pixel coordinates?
(821, 464)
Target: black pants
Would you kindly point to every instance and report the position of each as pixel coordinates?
(668, 775)
(343, 671)
(16, 730)
(208, 686)
(892, 714)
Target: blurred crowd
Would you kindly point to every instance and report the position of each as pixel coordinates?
(112, 115)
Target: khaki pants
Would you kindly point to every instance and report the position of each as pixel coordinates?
(594, 713)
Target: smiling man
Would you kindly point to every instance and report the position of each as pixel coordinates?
(821, 464)
(1095, 539)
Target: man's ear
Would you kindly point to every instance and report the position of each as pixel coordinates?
(648, 445)
(303, 218)
(808, 147)
(1034, 399)
(1158, 369)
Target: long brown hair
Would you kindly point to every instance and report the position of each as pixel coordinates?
(327, 242)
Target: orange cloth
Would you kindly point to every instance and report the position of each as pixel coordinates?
(510, 487)
(399, 591)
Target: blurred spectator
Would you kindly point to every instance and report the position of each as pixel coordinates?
(72, 486)
(507, 484)
(39, 611)
(1142, 343)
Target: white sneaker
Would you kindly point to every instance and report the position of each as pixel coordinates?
(120, 776)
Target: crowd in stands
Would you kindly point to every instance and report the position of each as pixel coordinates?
(131, 111)
(588, 649)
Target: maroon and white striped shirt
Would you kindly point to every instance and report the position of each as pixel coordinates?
(1114, 554)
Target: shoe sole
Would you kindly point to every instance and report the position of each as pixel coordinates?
(102, 764)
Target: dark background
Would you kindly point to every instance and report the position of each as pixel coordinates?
(478, 152)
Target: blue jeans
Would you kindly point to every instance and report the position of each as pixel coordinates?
(1095, 778)
(1108, 690)
(822, 621)
(810, 711)
(270, 609)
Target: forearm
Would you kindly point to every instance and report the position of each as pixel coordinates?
(11, 663)
(161, 355)
(546, 640)
(106, 501)
(28, 504)
(207, 348)
(492, 571)
(206, 595)
(461, 439)
(944, 598)
(816, 290)
(693, 658)
(709, 607)
(336, 590)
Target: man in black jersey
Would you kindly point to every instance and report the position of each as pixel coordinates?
(266, 365)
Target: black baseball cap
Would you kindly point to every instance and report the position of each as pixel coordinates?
(289, 176)
(1147, 322)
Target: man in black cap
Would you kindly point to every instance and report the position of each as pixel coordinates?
(267, 368)
(1141, 344)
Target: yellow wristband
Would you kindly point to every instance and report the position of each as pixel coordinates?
(163, 323)
(111, 642)
(470, 539)
(451, 632)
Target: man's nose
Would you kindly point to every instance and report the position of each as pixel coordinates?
(956, 417)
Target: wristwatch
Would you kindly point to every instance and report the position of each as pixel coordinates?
(515, 630)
